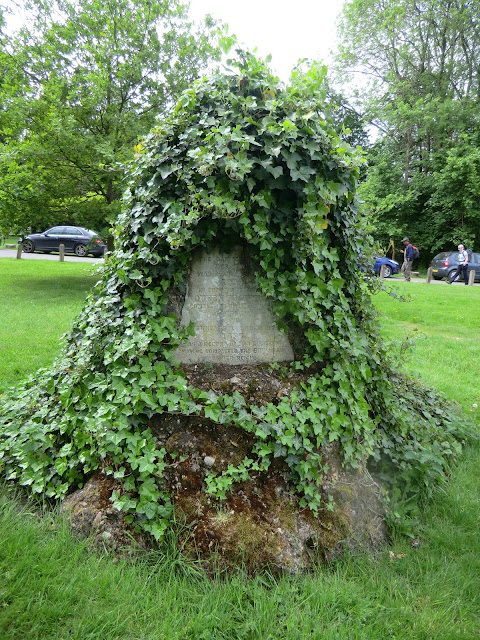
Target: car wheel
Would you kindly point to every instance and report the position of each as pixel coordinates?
(80, 250)
(28, 247)
(450, 274)
(387, 271)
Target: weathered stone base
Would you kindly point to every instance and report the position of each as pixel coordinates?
(92, 514)
(259, 525)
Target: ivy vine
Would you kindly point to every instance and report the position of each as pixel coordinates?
(240, 159)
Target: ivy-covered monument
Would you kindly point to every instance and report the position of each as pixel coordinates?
(226, 376)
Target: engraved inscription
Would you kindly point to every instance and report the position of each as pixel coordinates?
(233, 321)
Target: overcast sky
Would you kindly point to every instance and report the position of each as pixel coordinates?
(287, 30)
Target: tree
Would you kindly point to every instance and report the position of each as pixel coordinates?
(420, 62)
(93, 77)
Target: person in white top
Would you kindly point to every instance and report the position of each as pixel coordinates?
(462, 268)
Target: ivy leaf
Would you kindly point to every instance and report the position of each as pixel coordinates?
(275, 171)
(303, 172)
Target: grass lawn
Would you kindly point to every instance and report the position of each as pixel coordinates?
(4, 240)
(54, 588)
(38, 301)
(443, 325)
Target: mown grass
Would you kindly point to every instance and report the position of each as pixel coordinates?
(442, 324)
(4, 240)
(38, 301)
(53, 587)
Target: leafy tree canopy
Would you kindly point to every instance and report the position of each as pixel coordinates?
(82, 83)
(241, 159)
(420, 85)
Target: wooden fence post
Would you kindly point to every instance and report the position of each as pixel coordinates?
(471, 277)
(429, 274)
(61, 252)
(19, 250)
(382, 272)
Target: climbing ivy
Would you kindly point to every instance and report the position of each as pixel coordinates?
(240, 159)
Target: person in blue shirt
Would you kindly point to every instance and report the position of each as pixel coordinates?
(462, 269)
(407, 259)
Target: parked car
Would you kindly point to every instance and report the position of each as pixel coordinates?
(391, 266)
(77, 240)
(445, 263)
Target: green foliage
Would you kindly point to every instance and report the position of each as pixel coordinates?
(81, 83)
(421, 89)
(241, 159)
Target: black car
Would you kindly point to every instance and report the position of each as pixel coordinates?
(76, 240)
(444, 264)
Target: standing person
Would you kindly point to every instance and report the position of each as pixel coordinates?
(462, 268)
(407, 259)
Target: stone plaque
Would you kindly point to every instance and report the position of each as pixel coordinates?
(234, 323)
